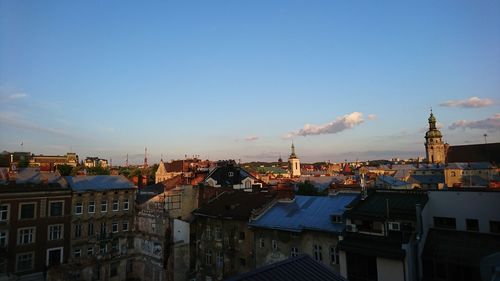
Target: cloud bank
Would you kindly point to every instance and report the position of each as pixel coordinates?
(473, 102)
(338, 125)
(490, 124)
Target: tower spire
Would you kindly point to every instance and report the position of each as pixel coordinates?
(145, 157)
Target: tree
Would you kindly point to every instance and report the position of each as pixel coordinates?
(65, 170)
(307, 188)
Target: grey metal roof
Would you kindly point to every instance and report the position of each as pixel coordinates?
(298, 268)
(306, 213)
(99, 183)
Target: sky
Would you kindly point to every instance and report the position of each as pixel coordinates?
(243, 79)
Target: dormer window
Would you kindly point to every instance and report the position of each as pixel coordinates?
(336, 219)
(230, 174)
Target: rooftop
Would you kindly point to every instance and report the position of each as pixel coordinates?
(99, 183)
(397, 204)
(306, 213)
(234, 204)
(298, 268)
(489, 152)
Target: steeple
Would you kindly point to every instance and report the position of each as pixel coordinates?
(294, 163)
(434, 147)
(293, 151)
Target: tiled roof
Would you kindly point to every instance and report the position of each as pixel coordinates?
(234, 204)
(459, 247)
(401, 204)
(372, 245)
(306, 213)
(426, 179)
(469, 166)
(229, 175)
(99, 183)
(474, 153)
(298, 268)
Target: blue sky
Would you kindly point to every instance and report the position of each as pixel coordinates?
(241, 79)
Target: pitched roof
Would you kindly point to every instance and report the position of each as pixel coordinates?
(298, 268)
(488, 152)
(401, 204)
(99, 183)
(229, 175)
(373, 245)
(306, 213)
(459, 247)
(234, 204)
(426, 179)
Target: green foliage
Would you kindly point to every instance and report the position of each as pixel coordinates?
(307, 188)
(65, 170)
(95, 171)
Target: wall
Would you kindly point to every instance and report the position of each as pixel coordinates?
(390, 270)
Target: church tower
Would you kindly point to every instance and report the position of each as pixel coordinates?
(294, 163)
(435, 149)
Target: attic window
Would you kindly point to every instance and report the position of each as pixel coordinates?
(230, 174)
(336, 219)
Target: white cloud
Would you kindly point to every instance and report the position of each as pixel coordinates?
(490, 124)
(472, 102)
(7, 95)
(372, 117)
(338, 125)
(251, 138)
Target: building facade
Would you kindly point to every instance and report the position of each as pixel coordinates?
(102, 244)
(34, 227)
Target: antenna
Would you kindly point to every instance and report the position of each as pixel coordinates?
(485, 141)
(145, 157)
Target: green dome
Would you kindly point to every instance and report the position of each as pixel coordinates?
(433, 134)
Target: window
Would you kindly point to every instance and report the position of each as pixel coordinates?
(443, 222)
(103, 248)
(209, 233)
(218, 233)
(91, 207)
(318, 254)
(24, 261)
(56, 208)
(115, 247)
(230, 174)
(336, 218)
(79, 208)
(125, 226)
(243, 262)
(4, 212)
(113, 269)
(294, 251)
(103, 228)
(129, 266)
(116, 205)
(90, 252)
(27, 211)
(208, 257)
(261, 240)
(274, 245)
(25, 235)
(77, 253)
(334, 255)
(104, 206)
(114, 227)
(453, 174)
(495, 226)
(472, 224)
(219, 260)
(3, 238)
(242, 235)
(90, 229)
(125, 204)
(78, 230)
(55, 232)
